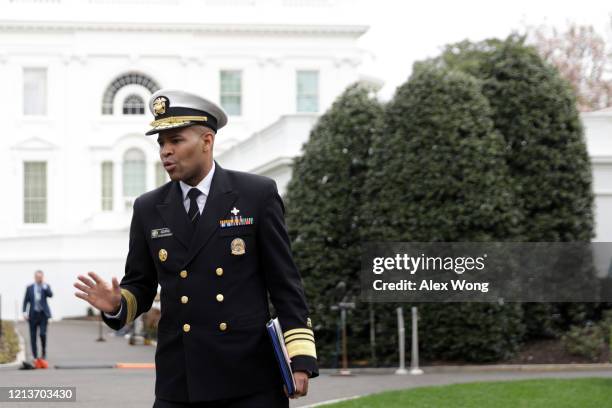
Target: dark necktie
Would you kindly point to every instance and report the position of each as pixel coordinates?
(194, 210)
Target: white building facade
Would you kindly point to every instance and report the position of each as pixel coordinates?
(75, 104)
(598, 132)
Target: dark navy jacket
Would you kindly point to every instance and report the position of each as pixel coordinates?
(215, 281)
(29, 299)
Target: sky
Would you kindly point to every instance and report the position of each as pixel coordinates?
(402, 32)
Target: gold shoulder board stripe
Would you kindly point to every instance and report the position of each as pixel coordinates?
(132, 305)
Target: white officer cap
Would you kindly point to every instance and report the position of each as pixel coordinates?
(174, 109)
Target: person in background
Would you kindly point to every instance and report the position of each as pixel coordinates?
(36, 311)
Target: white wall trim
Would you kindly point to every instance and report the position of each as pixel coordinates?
(601, 159)
(328, 30)
(273, 165)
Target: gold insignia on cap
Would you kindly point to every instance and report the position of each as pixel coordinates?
(159, 105)
(177, 121)
(163, 255)
(238, 246)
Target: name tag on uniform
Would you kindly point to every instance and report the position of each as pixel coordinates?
(161, 233)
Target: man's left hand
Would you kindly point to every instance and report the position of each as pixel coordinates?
(301, 384)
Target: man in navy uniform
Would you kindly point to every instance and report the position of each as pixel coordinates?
(36, 311)
(215, 240)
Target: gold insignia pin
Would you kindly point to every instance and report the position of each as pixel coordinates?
(159, 106)
(163, 255)
(309, 323)
(238, 246)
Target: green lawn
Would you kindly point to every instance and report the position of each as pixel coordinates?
(557, 393)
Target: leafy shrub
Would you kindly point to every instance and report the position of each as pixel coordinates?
(9, 343)
(584, 341)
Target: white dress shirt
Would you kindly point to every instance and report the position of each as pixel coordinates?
(37, 297)
(204, 187)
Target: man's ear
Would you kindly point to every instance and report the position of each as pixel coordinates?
(208, 137)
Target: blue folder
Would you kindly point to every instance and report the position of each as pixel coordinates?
(280, 351)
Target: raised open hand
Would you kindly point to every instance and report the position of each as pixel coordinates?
(99, 293)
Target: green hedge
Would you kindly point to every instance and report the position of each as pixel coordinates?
(483, 143)
(534, 109)
(323, 200)
(9, 343)
(438, 175)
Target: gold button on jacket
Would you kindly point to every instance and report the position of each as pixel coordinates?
(223, 326)
(219, 298)
(186, 328)
(184, 299)
(219, 271)
(183, 274)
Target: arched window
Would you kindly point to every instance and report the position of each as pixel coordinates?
(134, 173)
(131, 78)
(133, 105)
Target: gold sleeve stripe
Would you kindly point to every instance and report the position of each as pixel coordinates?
(294, 340)
(301, 348)
(299, 336)
(296, 331)
(132, 305)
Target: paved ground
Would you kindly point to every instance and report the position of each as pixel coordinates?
(72, 343)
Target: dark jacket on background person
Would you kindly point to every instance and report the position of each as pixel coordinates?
(30, 299)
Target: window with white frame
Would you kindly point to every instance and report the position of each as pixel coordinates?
(231, 92)
(161, 176)
(34, 192)
(133, 105)
(130, 78)
(134, 173)
(34, 91)
(107, 186)
(307, 91)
